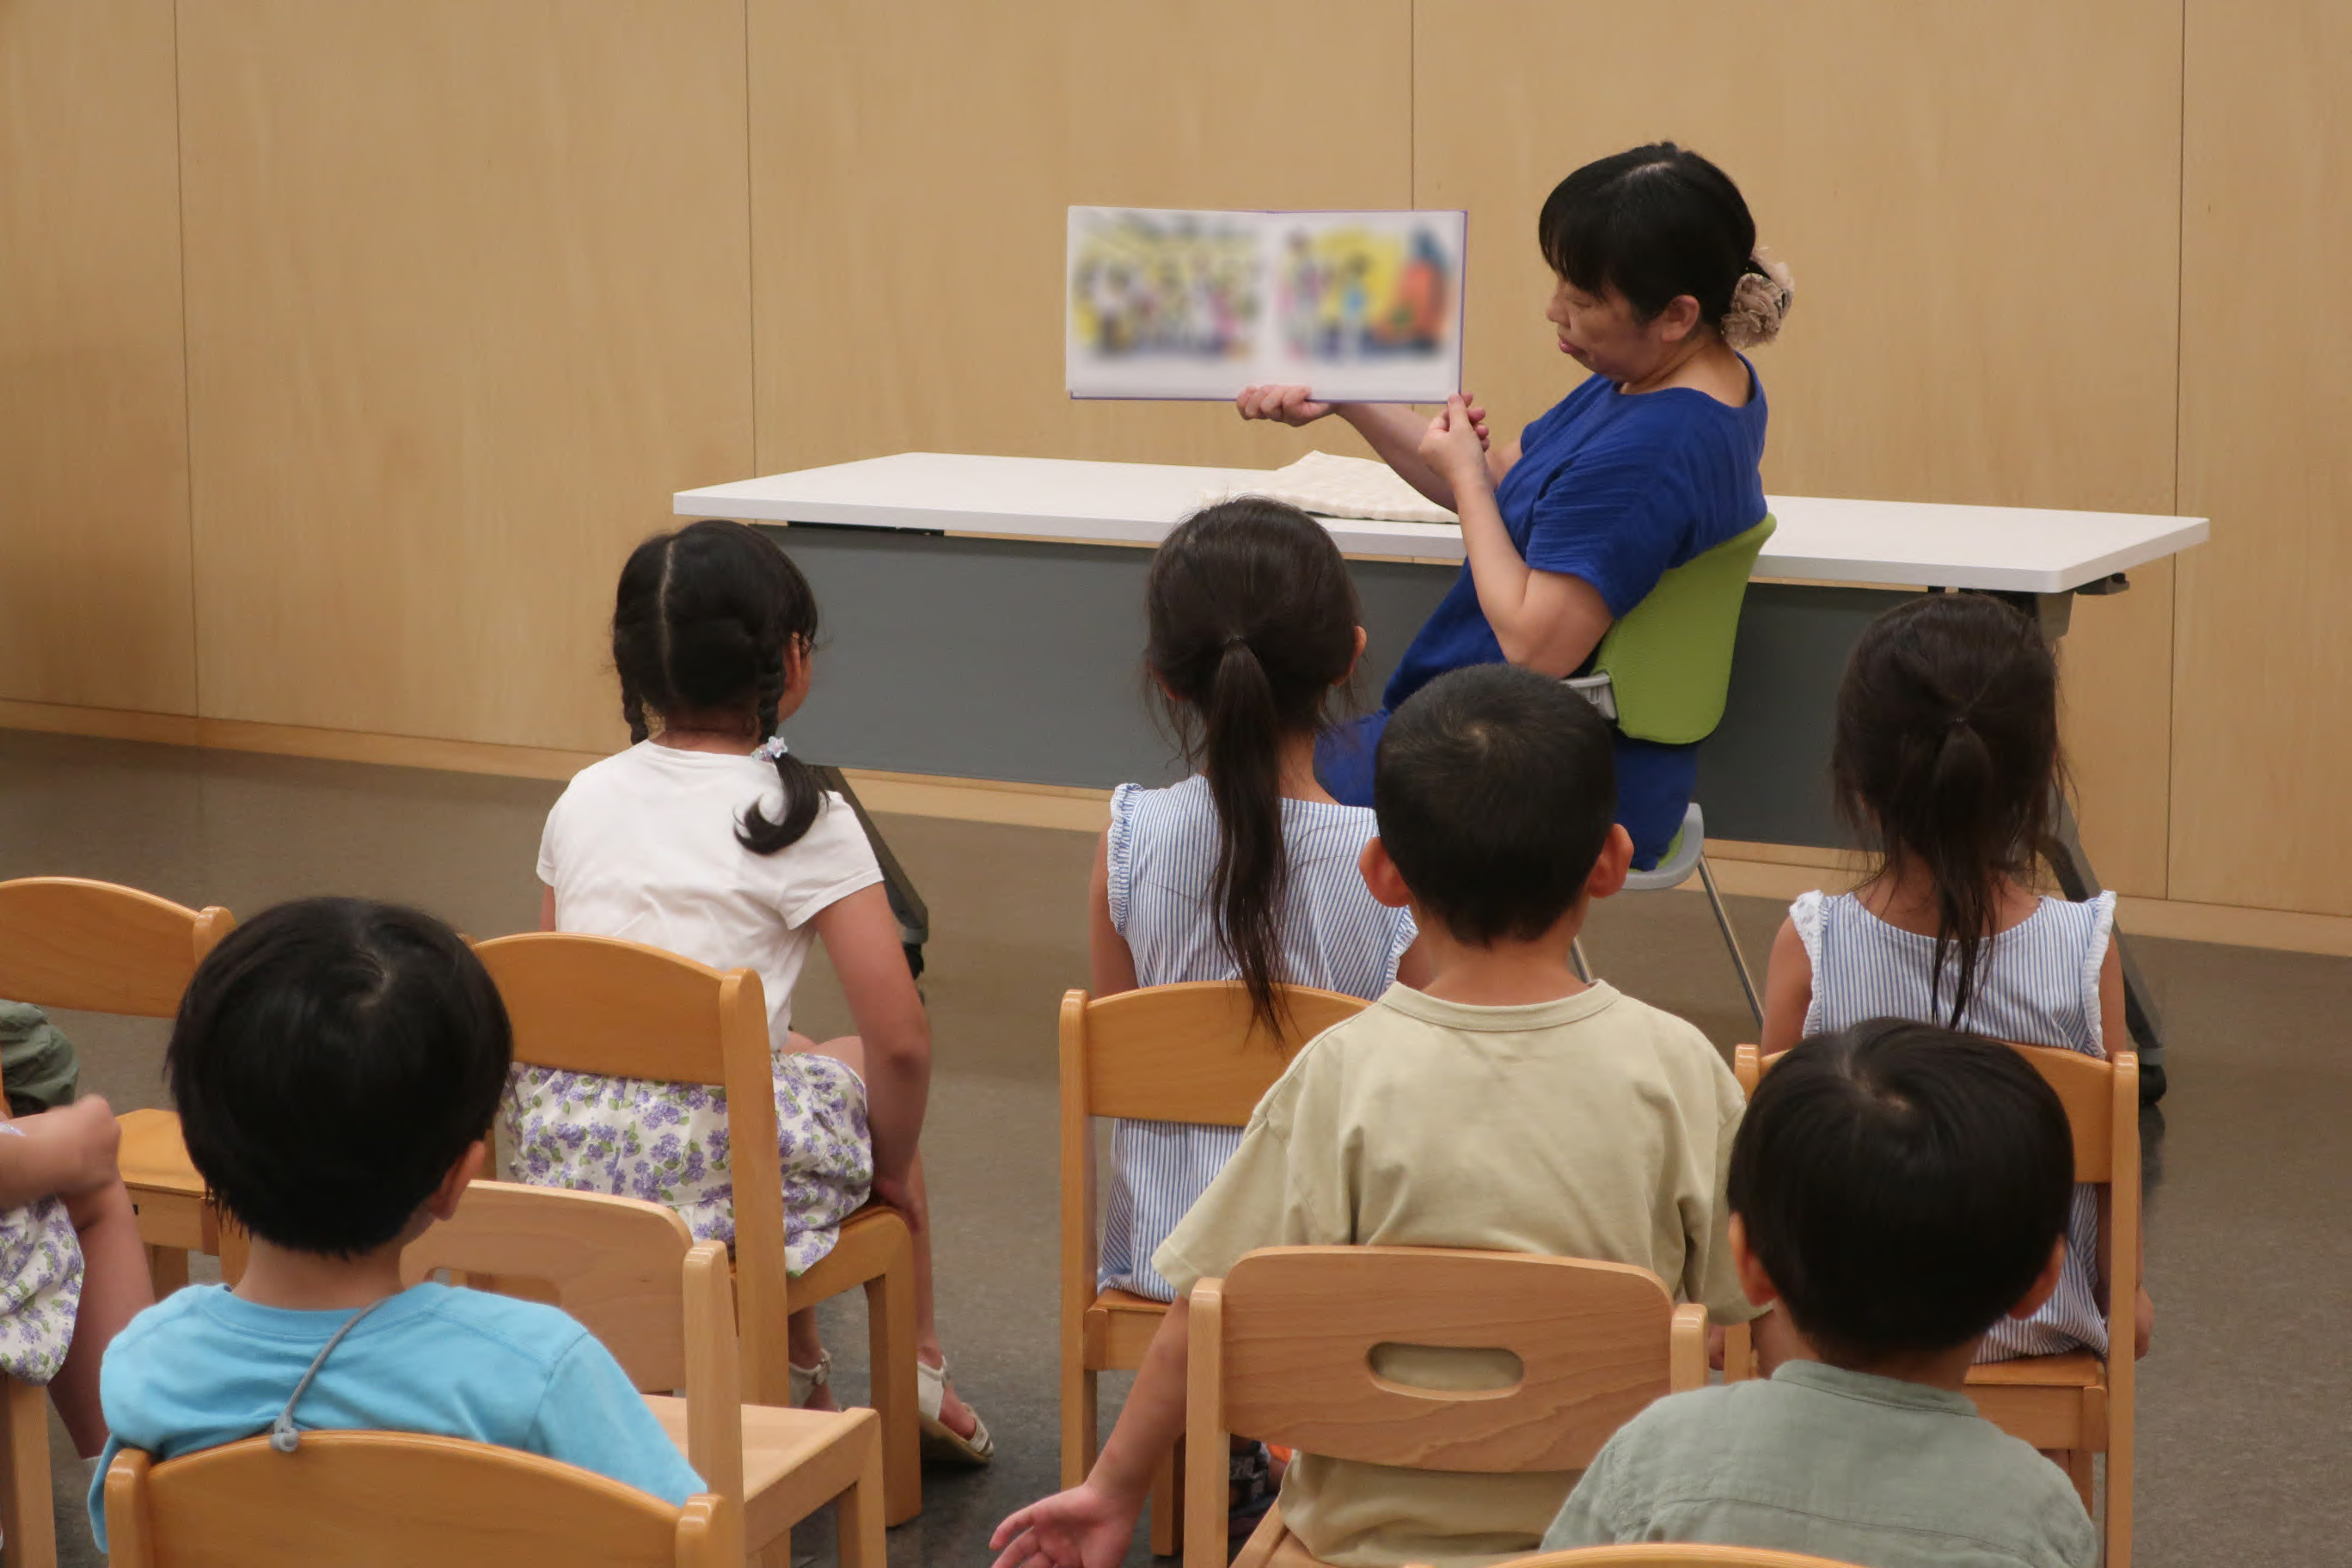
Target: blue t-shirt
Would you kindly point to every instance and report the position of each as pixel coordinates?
(1615, 489)
(202, 1368)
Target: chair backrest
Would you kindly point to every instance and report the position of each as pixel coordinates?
(66, 942)
(392, 1500)
(588, 1003)
(1281, 1350)
(1668, 659)
(1676, 1554)
(1165, 1053)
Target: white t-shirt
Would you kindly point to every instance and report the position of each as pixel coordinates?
(642, 847)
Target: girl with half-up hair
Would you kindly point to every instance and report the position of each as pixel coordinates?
(710, 838)
(1248, 870)
(1946, 763)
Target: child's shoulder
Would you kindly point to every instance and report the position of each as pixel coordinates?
(533, 1331)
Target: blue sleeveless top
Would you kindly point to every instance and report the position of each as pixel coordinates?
(1335, 936)
(2037, 983)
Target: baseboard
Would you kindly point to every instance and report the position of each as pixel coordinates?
(1778, 871)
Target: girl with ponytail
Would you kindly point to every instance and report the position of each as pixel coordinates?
(710, 838)
(1947, 762)
(1246, 871)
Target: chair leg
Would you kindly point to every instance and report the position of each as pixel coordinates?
(1576, 956)
(1078, 1441)
(1166, 1504)
(1730, 940)
(27, 1514)
(2079, 1470)
(857, 1516)
(890, 1352)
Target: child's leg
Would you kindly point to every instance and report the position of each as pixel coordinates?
(850, 1050)
(115, 1287)
(804, 1349)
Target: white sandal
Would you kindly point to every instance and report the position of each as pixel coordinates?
(942, 1441)
(807, 1379)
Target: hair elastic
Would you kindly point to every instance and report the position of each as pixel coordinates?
(773, 749)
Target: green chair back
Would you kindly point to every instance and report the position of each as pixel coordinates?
(1669, 660)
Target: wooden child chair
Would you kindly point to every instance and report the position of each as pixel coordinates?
(29, 1525)
(1280, 1351)
(661, 1302)
(393, 1499)
(1164, 1053)
(592, 1004)
(2077, 1404)
(1673, 1554)
(68, 943)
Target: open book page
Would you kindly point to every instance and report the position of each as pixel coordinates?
(1363, 306)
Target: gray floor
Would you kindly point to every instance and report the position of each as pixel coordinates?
(2243, 1421)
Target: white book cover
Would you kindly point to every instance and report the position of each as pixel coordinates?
(1357, 306)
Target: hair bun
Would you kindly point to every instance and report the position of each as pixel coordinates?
(1760, 302)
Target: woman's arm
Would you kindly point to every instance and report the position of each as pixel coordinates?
(1110, 963)
(861, 938)
(1545, 621)
(1787, 991)
(1393, 430)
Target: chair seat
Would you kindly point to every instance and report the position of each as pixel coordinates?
(1120, 1327)
(794, 1461)
(2053, 1402)
(868, 1238)
(164, 1187)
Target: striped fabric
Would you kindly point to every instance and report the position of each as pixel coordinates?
(1163, 850)
(2037, 983)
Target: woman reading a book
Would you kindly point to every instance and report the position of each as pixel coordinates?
(1648, 463)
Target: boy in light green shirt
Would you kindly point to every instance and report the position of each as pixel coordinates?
(1506, 1105)
(1899, 1188)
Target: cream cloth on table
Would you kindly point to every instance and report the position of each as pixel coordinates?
(1332, 486)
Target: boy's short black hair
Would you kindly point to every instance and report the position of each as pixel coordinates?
(1495, 788)
(331, 1061)
(1902, 1184)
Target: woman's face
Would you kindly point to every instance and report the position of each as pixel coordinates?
(1599, 332)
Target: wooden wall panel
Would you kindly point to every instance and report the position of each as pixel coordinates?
(468, 296)
(2264, 654)
(94, 555)
(1980, 208)
(911, 163)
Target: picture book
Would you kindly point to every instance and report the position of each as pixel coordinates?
(1356, 306)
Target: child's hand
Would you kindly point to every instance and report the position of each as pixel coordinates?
(2143, 1321)
(1454, 444)
(1288, 405)
(1081, 1528)
(78, 1144)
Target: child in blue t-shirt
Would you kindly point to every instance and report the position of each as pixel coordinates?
(337, 1064)
(1650, 463)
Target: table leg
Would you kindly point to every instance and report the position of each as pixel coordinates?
(2079, 882)
(913, 915)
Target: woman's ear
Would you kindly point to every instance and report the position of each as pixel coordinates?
(1678, 321)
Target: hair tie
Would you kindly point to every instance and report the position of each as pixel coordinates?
(1235, 640)
(773, 749)
(1760, 302)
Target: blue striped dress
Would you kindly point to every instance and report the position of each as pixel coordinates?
(1335, 935)
(2037, 983)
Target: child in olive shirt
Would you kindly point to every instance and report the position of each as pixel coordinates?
(1900, 1189)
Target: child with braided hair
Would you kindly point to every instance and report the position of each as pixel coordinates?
(708, 839)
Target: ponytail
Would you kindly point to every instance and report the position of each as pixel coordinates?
(708, 619)
(1241, 747)
(1253, 621)
(1947, 755)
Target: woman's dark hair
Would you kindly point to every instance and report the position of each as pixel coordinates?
(331, 1060)
(1902, 1184)
(1946, 756)
(1652, 224)
(1497, 788)
(1252, 619)
(704, 622)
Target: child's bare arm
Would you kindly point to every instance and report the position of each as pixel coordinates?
(1110, 963)
(63, 1153)
(1787, 991)
(861, 938)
